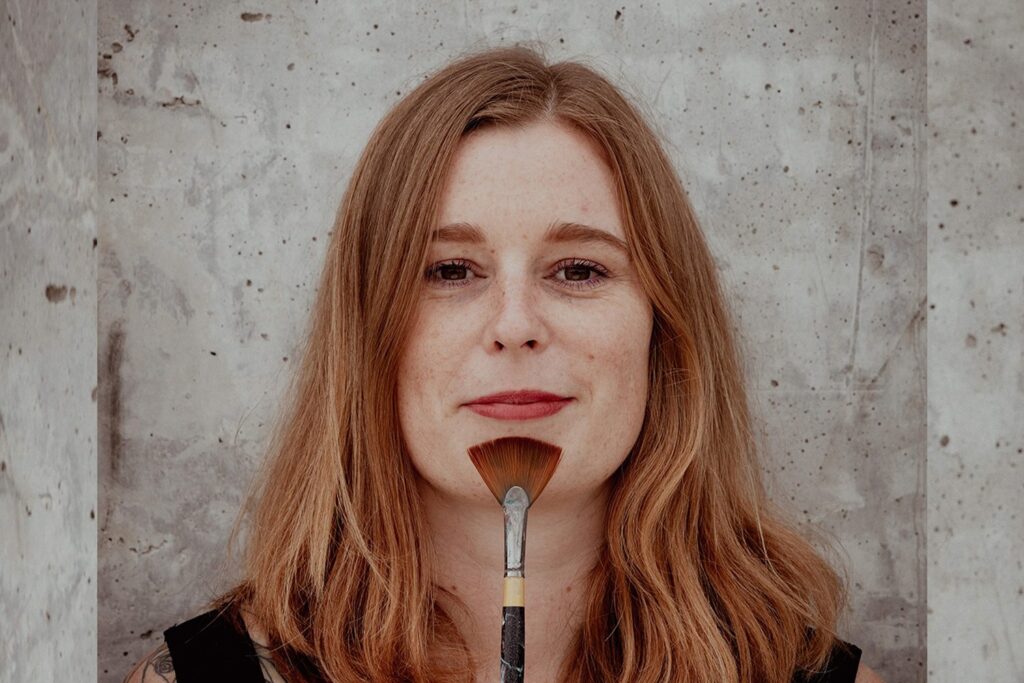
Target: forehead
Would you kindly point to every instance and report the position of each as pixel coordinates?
(528, 178)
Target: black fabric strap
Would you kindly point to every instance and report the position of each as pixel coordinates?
(209, 649)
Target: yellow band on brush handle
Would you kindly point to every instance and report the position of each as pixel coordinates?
(514, 594)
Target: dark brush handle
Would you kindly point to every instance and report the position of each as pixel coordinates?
(513, 643)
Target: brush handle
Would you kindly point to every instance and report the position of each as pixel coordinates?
(513, 643)
(513, 610)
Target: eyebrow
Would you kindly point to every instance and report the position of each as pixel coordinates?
(557, 232)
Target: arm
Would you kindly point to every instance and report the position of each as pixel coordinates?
(156, 667)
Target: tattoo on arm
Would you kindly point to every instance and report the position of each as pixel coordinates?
(155, 668)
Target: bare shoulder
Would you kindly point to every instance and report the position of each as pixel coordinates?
(155, 667)
(866, 675)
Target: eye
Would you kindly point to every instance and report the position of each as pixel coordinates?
(446, 273)
(451, 274)
(580, 268)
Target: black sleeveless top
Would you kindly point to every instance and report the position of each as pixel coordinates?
(209, 648)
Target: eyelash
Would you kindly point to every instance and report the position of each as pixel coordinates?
(433, 270)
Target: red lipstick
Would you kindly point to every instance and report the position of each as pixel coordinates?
(524, 404)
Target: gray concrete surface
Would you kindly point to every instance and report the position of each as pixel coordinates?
(47, 341)
(229, 131)
(976, 342)
(226, 136)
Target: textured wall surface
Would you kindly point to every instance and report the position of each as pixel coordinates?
(228, 132)
(47, 342)
(976, 342)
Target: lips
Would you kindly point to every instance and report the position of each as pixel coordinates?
(519, 396)
(519, 405)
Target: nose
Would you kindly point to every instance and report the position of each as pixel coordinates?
(517, 320)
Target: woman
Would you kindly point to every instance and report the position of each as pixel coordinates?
(513, 225)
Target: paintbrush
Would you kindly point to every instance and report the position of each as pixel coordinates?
(516, 469)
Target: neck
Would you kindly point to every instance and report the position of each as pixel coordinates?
(563, 540)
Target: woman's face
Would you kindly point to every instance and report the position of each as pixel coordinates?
(516, 310)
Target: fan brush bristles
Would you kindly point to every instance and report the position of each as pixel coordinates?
(515, 461)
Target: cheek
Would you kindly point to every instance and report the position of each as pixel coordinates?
(617, 348)
(618, 363)
(418, 364)
(425, 374)
(416, 380)
(418, 372)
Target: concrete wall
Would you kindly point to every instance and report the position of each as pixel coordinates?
(976, 342)
(226, 136)
(47, 341)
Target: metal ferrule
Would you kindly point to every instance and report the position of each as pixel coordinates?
(515, 506)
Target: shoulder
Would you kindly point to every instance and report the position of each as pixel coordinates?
(866, 675)
(210, 646)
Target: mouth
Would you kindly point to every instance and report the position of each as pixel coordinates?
(519, 411)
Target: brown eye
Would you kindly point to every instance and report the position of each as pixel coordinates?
(577, 271)
(448, 273)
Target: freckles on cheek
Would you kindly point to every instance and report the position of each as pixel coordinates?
(422, 375)
(429, 364)
(422, 352)
(620, 349)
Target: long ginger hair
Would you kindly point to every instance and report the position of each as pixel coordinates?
(701, 579)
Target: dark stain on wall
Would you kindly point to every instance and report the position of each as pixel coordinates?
(255, 16)
(181, 101)
(110, 378)
(56, 293)
(105, 70)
